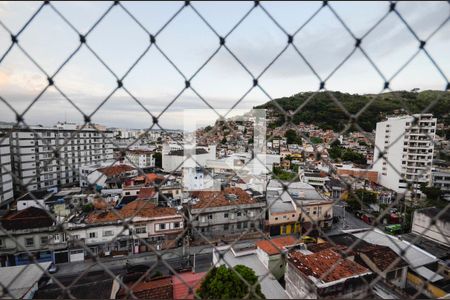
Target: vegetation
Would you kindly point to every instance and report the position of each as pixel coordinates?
(292, 137)
(365, 196)
(283, 174)
(316, 140)
(158, 159)
(337, 152)
(324, 112)
(88, 207)
(224, 283)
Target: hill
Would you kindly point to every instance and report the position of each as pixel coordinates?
(322, 111)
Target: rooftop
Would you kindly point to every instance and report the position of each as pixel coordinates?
(276, 245)
(160, 288)
(115, 170)
(327, 264)
(181, 290)
(383, 257)
(413, 255)
(432, 212)
(20, 279)
(137, 208)
(180, 152)
(270, 287)
(229, 196)
(31, 217)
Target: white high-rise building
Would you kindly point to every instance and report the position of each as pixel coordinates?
(32, 151)
(408, 148)
(6, 182)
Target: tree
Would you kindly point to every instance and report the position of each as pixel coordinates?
(158, 159)
(316, 140)
(292, 137)
(224, 141)
(224, 283)
(208, 128)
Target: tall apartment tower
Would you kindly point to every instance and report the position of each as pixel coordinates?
(32, 148)
(408, 148)
(6, 181)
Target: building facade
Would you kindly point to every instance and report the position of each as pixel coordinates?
(408, 149)
(48, 157)
(6, 180)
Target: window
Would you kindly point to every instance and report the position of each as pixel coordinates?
(162, 226)
(177, 224)
(141, 230)
(2, 244)
(210, 217)
(44, 240)
(238, 225)
(225, 227)
(108, 233)
(225, 215)
(239, 214)
(29, 242)
(92, 235)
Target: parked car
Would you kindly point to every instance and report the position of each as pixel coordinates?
(53, 268)
(308, 239)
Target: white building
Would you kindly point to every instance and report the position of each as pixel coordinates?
(174, 158)
(34, 151)
(408, 150)
(6, 180)
(140, 158)
(438, 232)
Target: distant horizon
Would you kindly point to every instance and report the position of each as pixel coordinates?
(156, 128)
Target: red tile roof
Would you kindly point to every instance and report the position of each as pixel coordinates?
(327, 264)
(217, 198)
(146, 193)
(141, 208)
(115, 170)
(181, 290)
(280, 243)
(152, 289)
(31, 217)
(383, 257)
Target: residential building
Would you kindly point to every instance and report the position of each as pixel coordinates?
(29, 230)
(283, 218)
(140, 158)
(152, 227)
(34, 199)
(44, 157)
(6, 180)
(408, 149)
(270, 253)
(438, 231)
(441, 180)
(245, 254)
(177, 159)
(324, 274)
(225, 214)
(313, 209)
(313, 177)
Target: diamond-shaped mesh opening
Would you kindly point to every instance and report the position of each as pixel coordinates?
(342, 204)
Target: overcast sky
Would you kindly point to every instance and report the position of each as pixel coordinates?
(188, 42)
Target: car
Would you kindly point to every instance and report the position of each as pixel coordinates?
(53, 268)
(308, 239)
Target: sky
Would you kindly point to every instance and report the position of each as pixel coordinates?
(188, 43)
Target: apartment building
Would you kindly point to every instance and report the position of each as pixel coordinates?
(408, 149)
(33, 151)
(6, 180)
(222, 214)
(140, 158)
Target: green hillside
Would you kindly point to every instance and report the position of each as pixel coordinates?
(325, 113)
